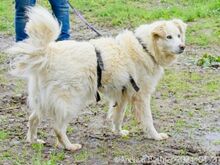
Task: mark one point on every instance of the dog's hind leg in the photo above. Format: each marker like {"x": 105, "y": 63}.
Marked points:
{"x": 63, "y": 113}
{"x": 60, "y": 131}
{"x": 35, "y": 117}
{"x": 117, "y": 116}
{"x": 33, "y": 123}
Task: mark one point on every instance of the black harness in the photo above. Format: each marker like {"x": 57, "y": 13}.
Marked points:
{"x": 145, "y": 49}
{"x": 133, "y": 83}
{"x": 100, "y": 68}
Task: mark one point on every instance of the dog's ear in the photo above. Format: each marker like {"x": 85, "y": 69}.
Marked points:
{"x": 159, "y": 32}
{"x": 180, "y": 25}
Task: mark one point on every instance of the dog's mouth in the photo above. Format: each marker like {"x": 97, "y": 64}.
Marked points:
{"x": 180, "y": 51}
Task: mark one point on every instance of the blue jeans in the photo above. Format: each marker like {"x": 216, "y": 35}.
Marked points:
{"x": 60, "y": 10}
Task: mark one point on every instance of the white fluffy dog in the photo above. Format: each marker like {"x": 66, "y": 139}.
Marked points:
{"x": 64, "y": 76}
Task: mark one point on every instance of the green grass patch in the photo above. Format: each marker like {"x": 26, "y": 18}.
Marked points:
{"x": 216, "y": 142}
{"x": 81, "y": 156}
{"x": 3, "y": 58}
{"x": 212, "y": 86}
{"x": 132, "y": 13}
{"x": 37, "y": 147}
{"x": 182, "y": 83}
{"x": 3, "y": 79}
{"x": 37, "y": 158}
{"x": 55, "y": 158}
{"x": 70, "y": 130}
{"x": 204, "y": 32}
{"x": 208, "y": 60}
{"x": 183, "y": 151}
{"x": 52, "y": 159}
{"x": 6, "y": 16}
{"x": 20, "y": 86}
{"x": 3, "y": 135}
{"x": 180, "y": 124}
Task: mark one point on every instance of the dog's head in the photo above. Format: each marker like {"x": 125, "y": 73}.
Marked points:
{"x": 169, "y": 36}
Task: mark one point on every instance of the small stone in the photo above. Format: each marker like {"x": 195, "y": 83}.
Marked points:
{"x": 14, "y": 142}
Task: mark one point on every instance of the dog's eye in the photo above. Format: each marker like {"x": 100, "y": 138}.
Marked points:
{"x": 169, "y": 37}
{"x": 178, "y": 35}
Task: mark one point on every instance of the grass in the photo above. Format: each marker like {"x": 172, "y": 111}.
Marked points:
{"x": 216, "y": 142}
{"x": 52, "y": 159}
{"x": 3, "y": 59}
{"x": 124, "y": 12}
{"x": 130, "y": 13}
{"x": 208, "y": 60}
{"x": 81, "y": 156}
{"x": 36, "y": 158}
{"x": 3, "y": 135}
{"x": 204, "y": 32}
{"x": 70, "y": 130}
{"x": 6, "y": 16}
{"x": 20, "y": 86}
{"x": 180, "y": 83}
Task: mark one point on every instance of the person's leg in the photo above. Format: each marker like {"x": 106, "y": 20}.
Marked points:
{"x": 61, "y": 11}
{"x": 20, "y": 18}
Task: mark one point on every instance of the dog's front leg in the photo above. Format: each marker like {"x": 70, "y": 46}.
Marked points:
{"x": 117, "y": 115}
{"x": 143, "y": 110}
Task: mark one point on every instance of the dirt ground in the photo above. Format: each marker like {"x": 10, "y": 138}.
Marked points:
{"x": 191, "y": 120}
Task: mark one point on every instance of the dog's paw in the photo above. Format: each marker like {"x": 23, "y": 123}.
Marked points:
{"x": 28, "y": 140}
{"x": 157, "y": 136}
{"x": 40, "y": 141}
{"x": 124, "y": 132}
{"x": 74, "y": 147}
{"x": 121, "y": 132}
{"x": 161, "y": 136}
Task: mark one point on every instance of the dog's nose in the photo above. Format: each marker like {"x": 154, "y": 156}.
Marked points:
{"x": 182, "y": 47}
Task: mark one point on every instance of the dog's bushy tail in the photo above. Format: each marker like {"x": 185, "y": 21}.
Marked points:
{"x": 42, "y": 29}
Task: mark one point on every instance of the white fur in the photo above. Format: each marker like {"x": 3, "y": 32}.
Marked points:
{"x": 62, "y": 76}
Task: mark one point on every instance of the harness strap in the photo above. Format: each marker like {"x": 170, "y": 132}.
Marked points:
{"x": 98, "y": 98}
{"x": 100, "y": 68}
{"x": 133, "y": 83}
{"x": 145, "y": 49}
